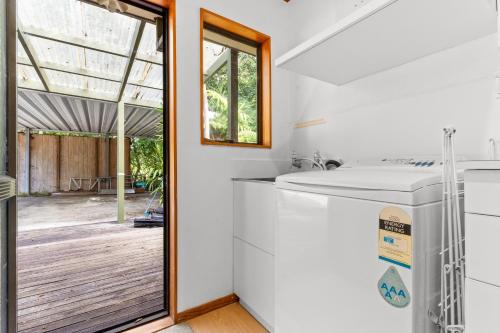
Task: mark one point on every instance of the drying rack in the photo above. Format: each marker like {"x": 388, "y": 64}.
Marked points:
{"x": 452, "y": 244}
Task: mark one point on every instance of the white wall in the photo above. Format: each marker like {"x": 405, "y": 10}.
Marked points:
{"x": 399, "y": 112}
{"x": 205, "y": 208}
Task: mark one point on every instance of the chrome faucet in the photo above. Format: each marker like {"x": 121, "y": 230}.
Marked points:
{"x": 319, "y": 159}
{"x": 316, "y": 161}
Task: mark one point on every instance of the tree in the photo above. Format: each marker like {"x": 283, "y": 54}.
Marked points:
{"x": 217, "y": 96}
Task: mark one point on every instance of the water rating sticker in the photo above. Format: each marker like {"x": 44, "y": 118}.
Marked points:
{"x": 394, "y": 237}
{"x": 392, "y": 288}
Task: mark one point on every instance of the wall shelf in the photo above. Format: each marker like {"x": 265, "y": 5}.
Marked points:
{"x": 387, "y": 33}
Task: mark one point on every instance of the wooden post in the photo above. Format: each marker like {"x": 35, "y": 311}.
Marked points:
{"x": 106, "y": 156}
{"x": 27, "y": 162}
{"x": 232, "y": 81}
{"x": 120, "y": 162}
{"x": 59, "y": 154}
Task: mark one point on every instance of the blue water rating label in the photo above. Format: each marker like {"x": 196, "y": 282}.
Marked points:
{"x": 392, "y": 288}
{"x": 394, "y": 237}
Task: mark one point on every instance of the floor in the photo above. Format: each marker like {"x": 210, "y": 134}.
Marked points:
{"x": 229, "y": 319}
{"x": 87, "y": 277}
{"x": 73, "y": 210}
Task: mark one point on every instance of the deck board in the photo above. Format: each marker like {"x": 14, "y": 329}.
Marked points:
{"x": 89, "y": 277}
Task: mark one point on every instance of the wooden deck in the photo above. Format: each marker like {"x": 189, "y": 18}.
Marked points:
{"x": 87, "y": 278}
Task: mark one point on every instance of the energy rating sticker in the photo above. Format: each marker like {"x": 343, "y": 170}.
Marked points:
{"x": 394, "y": 237}
{"x": 392, "y": 288}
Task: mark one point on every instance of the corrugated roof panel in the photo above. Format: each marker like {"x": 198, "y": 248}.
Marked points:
{"x": 144, "y": 94}
{"x": 79, "y": 19}
{"x": 94, "y": 28}
{"x": 146, "y": 73}
{"x": 27, "y": 74}
{"x": 147, "y": 47}
{"x": 21, "y": 54}
{"x": 73, "y": 81}
{"x": 74, "y": 56}
{"x": 104, "y": 62}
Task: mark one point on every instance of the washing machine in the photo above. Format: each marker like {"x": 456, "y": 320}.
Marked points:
{"x": 357, "y": 248}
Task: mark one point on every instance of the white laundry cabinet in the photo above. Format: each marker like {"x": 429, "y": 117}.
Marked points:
{"x": 482, "y": 246}
{"x": 254, "y": 223}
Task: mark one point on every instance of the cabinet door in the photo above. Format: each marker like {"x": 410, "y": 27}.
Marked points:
{"x": 482, "y": 248}
{"x": 482, "y": 190}
{"x": 482, "y": 304}
{"x": 254, "y": 280}
{"x": 255, "y": 214}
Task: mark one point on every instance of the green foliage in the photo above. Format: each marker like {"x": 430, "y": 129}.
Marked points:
{"x": 146, "y": 161}
{"x": 217, "y": 96}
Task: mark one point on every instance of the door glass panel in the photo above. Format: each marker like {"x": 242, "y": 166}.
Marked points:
{"x": 91, "y": 232}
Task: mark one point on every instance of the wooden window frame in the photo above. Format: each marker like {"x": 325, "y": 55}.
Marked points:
{"x": 264, "y": 78}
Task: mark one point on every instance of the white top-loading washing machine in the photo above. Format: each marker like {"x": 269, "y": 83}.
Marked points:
{"x": 358, "y": 248}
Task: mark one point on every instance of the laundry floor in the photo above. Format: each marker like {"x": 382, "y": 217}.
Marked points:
{"x": 229, "y": 319}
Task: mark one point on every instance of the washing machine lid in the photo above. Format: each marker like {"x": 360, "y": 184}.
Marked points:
{"x": 405, "y": 185}
{"x": 376, "y": 178}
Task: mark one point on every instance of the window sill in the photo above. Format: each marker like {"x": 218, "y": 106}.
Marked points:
{"x": 235, "y": 144}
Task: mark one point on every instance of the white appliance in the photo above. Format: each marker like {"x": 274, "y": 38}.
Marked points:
{"x": 358, "y": 248}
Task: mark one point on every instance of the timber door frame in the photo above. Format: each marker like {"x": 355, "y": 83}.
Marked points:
{"x": 11, "y": 45}
{"x": 156, "y": 323}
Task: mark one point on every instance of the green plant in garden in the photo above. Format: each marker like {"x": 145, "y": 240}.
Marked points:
{"x": 217, "y": 96}
{"x": 146, "y": 162}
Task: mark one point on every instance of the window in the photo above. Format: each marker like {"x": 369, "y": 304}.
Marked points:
{"x": 236, "y": 84}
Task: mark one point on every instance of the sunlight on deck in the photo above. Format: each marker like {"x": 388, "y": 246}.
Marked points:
{"x": 89, "y": 277}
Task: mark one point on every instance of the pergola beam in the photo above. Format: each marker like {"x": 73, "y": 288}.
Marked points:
{"x": 139, "y": 30}
{"x": 99, "y": 135}
{"x": 80, "y": 71}
{"x": 82, "y": 93}
{"x": 143, "y": 85}
{"x": 30, "y": 51}
{"x": 79, "y": 42}
{"x": 86, "y": 73}
{"x": 221, "y": 61}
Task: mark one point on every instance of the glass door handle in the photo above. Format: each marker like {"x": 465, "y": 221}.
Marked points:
{"x": 7, "y": 187}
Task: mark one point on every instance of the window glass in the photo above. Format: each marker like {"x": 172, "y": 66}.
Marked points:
{"x": 230, "y": 73}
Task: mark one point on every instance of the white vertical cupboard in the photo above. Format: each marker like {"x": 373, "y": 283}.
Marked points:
{"x": 482, "y": 248}
{"x": 254, "y": 224}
